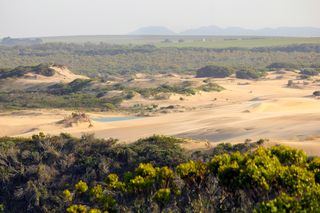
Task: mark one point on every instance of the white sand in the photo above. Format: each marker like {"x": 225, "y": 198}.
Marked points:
{"x": 261, "y": 109}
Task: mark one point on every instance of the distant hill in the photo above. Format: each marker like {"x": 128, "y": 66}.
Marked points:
{"x": 214, "y": 30}
{"x": 20, "y": 41}
{"x": 153, "y": 30}
{"x": 232, "y": 31}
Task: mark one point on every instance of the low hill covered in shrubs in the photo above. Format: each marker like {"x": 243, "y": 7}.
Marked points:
{"x": 67, "y": 174}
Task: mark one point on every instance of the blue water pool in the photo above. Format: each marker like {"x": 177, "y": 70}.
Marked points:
{"x": 113, "y": 119}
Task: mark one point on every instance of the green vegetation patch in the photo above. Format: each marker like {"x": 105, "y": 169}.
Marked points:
{"x": 282, "y": 65}
{"x": 67, "y": 174}
{"x": 310, "y": 71}
{"x": 214, "y": 71}
{"x": 101, "y": 60}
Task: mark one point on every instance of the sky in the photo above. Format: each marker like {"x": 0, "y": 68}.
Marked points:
{"x": 34, "y": 18}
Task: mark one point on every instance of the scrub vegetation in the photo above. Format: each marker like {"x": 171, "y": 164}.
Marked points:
{"x": 67, "y": 174}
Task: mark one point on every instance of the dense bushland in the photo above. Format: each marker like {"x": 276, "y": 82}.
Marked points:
{"x": 34, "y": 172}
{"x": 105, "y": 59}
{"x": 63, "y": 173}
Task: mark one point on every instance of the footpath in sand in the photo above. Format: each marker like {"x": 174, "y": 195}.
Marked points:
{"x": 245, "y": 110}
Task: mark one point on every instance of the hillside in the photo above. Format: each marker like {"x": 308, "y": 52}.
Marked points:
{"x": 153, "y": 30}
{"x": 238, "y": 31}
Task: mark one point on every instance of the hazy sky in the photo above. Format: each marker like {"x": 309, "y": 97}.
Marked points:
{"x": 27, "y": 18}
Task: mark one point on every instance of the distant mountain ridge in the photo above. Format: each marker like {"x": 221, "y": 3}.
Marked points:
{"x": 20, "y": 41}
{"x": 232, "y": 31}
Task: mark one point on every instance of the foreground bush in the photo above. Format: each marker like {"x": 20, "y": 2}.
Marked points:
{"x": 34, "y": 172}
{"x": 277, "y": 179}
{"x": 67, "y": 174}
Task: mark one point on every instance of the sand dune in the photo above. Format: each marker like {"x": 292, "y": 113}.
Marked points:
{"x": 32, "y": 80}
{"x": 260, "y": 109}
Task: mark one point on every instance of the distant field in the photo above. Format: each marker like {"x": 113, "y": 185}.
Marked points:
{"x": 240, "y": 42}
{"x": 188, "y": 41}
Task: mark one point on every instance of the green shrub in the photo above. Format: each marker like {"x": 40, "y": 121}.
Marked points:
{"x": 63, "y": 173}
{"x": 309, "y": 72}
{"x": 289, "y": 156}
{"x": 316, "y": 93}
{"x": 248, "y": 74}
{"x": 209, "y": 87}
{"x": 214, "y": 72}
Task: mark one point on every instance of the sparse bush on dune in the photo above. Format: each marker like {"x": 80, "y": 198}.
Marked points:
{"x": 162, "y": 96}
{"x": 163, "y": 91}
{"x": 76, "y": 118}
{"x": 209, "y": 87}
{"x": 304, "y": 77}
{"x": 282, "y": 65}
{"x": 75, "y": 86}
{"x": 316, "y": 93}
{"x": 309, "y": 72}
{"x": 67, "y": 174}
{"x": 248, "y": 74}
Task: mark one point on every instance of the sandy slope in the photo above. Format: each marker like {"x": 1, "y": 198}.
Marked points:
{"x": 246, "y": 109}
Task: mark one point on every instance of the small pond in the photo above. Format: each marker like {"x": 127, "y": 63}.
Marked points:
{"x": 113, "y": 119}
